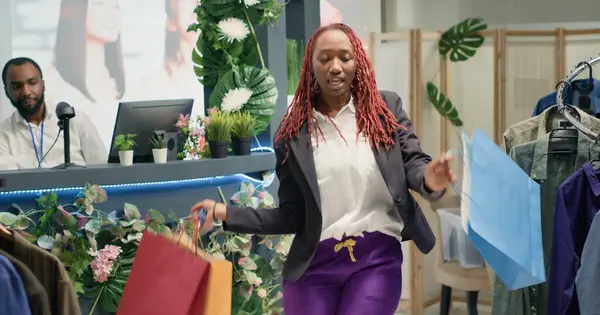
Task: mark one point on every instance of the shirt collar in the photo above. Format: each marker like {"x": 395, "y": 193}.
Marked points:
{"x": 349, "y": 108}
{"x": 47, "y": 115}
{"x": 542, "y": 129}
{"x": 592, "y": 178}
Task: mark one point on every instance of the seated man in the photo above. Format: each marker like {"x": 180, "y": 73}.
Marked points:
{"x": 27, "y": 136}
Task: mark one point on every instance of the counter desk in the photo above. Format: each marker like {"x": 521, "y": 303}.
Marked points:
{"x": 172, "y": 186}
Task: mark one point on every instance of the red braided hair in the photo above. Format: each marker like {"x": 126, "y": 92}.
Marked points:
{"x": 373, "y": 117}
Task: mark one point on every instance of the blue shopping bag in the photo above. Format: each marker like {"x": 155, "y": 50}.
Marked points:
{"x": 501, "y": 209}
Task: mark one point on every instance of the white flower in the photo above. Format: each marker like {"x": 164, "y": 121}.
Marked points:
{"x": 250, "y": 3}
{"x": 235, "y": 99}
{"x": 233, "y": 29}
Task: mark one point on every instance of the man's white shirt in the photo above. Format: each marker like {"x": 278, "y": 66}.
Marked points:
{"x": 19, "y": 141}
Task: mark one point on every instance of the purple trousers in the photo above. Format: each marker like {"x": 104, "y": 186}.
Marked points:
{"x": 357, "y": 276}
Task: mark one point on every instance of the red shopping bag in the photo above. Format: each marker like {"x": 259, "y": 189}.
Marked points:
{"x": 164, "y": 279}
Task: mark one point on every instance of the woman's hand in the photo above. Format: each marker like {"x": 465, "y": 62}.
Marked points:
{"x": 438, "y": 174}
{"x": 214, "y": 211}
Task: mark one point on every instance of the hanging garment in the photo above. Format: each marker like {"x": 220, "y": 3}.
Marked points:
{"x": 13, "y": 299}
{"x": 535, "y": 127}
{"x": 36, "y": 294}
{"x": 587, "y": 280}
{"x": 576, "y": 206}
{"x": 549, "y": 170}
{"x": 572, "y": 97}
{"x": 49, "y": 271}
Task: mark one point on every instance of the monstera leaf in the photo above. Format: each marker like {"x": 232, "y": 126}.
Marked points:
{"x": 443, "y": 105}
{"x": 228, "y": 8}
{"x": 462, "y": 40}
{"x": 264, "y": 92}
{"x": 209, "y": 63}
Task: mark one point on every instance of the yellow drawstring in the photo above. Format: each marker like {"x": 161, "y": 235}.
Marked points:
{"x": 349, "y": 244}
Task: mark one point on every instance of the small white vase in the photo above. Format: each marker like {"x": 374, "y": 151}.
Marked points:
{"x": 160, "y": 155}
{"x": 126, "y": 157}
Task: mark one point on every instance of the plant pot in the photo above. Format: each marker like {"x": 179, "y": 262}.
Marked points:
{"x": 241, "y": 146}
{"x": 160, "y": 155}
{"x": 126, "y": 157}
{"x": 218, "y": 148}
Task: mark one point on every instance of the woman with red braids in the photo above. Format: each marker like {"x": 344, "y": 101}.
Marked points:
{"x": 346, "y": 159}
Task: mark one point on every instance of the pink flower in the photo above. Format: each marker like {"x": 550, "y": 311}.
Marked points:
{"x": 102, "y": 264}
{"x": 262, "y": 194}
{"x": 262, "y": 293}
{"x": 242, "y": 260}
{"x": 183, "y": 121}
{"x": 201, "y": 142}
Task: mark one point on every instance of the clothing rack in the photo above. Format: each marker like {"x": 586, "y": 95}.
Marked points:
{"x": 564, "y": 109}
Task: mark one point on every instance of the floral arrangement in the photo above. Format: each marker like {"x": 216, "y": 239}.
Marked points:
{"x": 98, "y": 248}
{"x": 74, "y": 232}
{"x": 193, "y": 132}
{"x": 227, "y": 52}
{"x": 256, "y": 271}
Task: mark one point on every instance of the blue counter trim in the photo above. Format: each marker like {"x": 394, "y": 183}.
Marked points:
{"x": 18, "y": 195}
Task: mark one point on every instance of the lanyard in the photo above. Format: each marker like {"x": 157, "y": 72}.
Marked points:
{"x": 38, "y": 155}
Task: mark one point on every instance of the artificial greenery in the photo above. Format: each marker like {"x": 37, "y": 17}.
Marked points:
{"x": 242, "y": 125}
{"x": 75, "y": 232}
{"x": 461, "y": 41}
{"x": 218, "y": 126}
{"x": 295, "y": 54}
{"x": 256, "y": 278}
{"x": 458, "y": 44}
{"x": 264, "y": 93}
{"x": 125, "y": 142}
{"x": 227, "y": 53}
{"x": 158, "y": 141}
{"x": 443, "y": 105}
{"x": 78, "y": 232}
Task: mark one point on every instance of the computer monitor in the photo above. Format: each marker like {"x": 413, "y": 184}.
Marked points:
{"x": 144, "y": 119}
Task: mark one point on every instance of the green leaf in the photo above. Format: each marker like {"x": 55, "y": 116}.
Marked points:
{"x": 93, "y": 226}
{"x": 139, "y": 226}
{"x": 462, "y": 40}
{"x": 154, "y": 216}
{"x": 7, "y": 218}
{"x": 443, "y": 105}
{"x": 264, "y": 92}
{"x": 131, "y": 212}
{"x": 95, "y": 193}
{"x": 209, "y": 63}
{"x": 45, "y": 242}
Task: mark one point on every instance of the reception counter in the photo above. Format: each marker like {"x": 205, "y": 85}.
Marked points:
{"x": 172, "y": 186}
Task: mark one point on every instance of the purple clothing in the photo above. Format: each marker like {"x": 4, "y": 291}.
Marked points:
{"x": 334, "y": 284}
{"x": 576, "y": 205}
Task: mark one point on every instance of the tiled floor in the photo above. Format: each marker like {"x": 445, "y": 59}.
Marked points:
{"x": 457, "y": 310}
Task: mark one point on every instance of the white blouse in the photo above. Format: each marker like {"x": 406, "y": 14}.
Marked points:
{"x": 354, "y": 196}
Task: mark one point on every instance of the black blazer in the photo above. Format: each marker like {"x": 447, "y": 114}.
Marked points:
{"x": 299, "y": 211}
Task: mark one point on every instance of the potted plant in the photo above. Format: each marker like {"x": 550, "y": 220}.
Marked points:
{"x": 159, "y": 148}
{"x": 218, "y": 126}
{"x": 242, "y": 131}
{"x": 124, "y": 144}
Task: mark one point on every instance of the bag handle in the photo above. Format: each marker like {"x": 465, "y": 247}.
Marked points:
{"x": 195, "y": 235}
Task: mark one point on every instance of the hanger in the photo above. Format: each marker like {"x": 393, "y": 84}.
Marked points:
{"x": 563, "y": 140}
{"x": 585, "y": 91}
